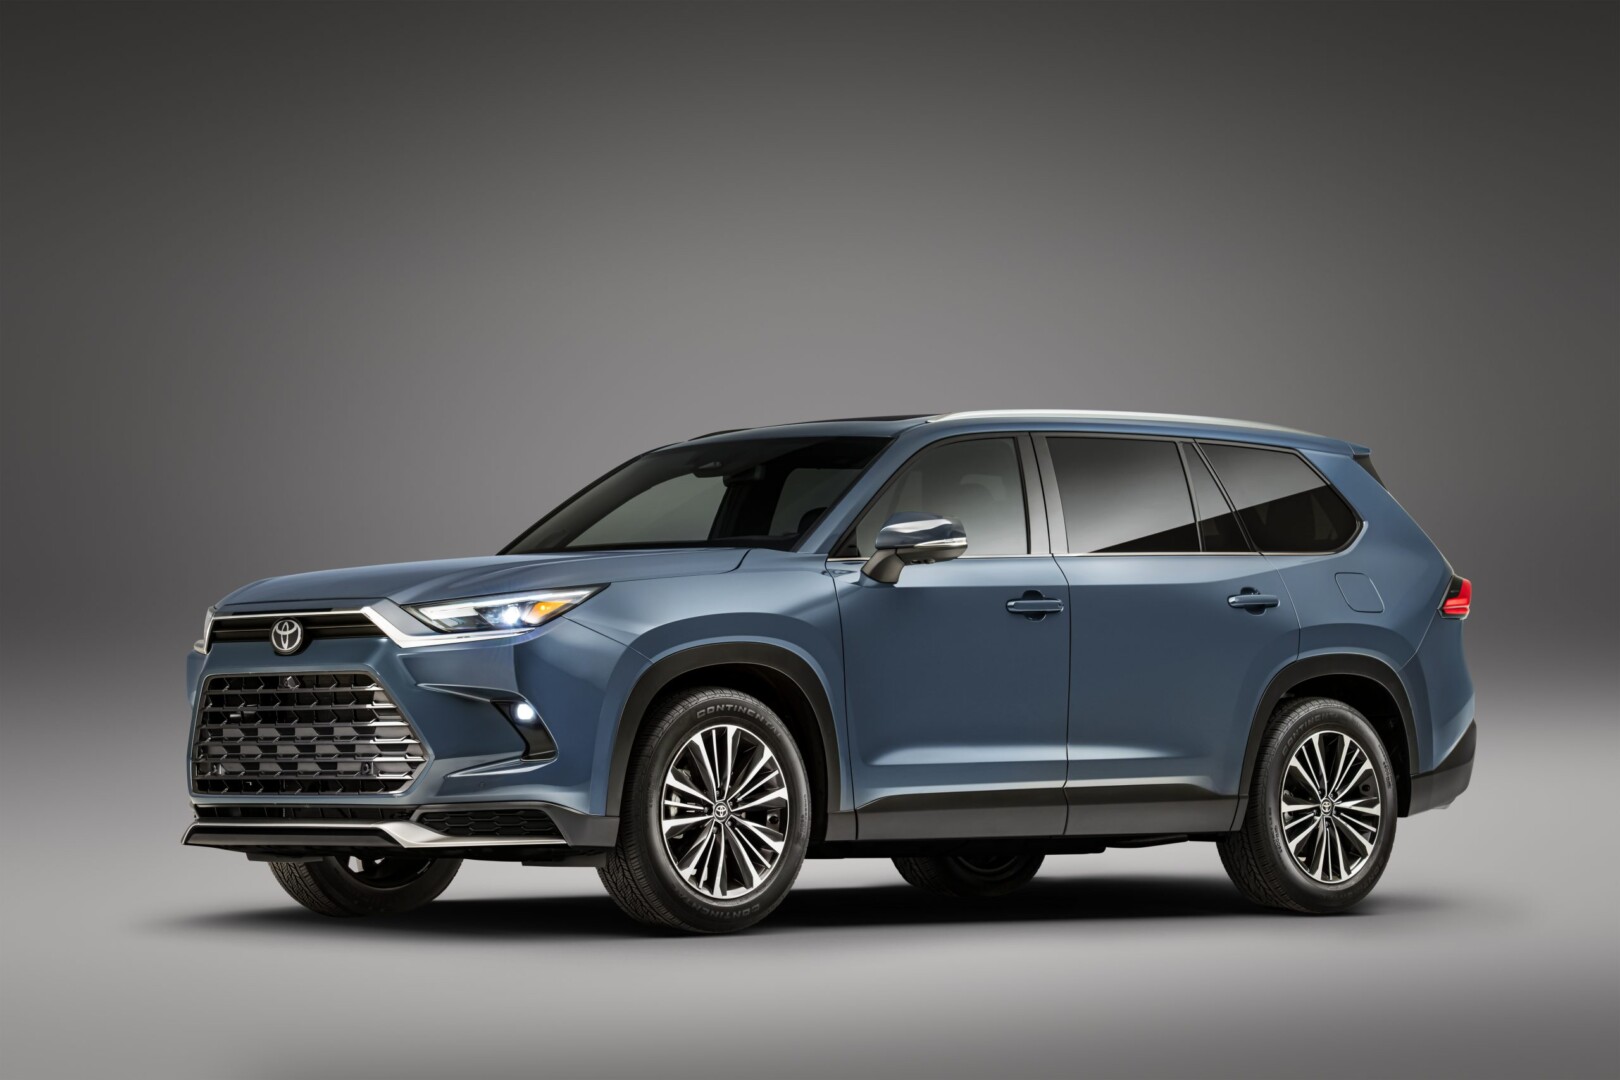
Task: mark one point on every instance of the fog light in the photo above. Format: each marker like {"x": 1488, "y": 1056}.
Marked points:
{"x": 525, "y": 719}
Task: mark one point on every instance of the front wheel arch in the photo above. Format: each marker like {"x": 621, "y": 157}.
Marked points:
{"x": 777, "y": 676}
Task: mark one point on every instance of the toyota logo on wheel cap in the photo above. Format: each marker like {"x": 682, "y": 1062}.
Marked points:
{"x": 287, "y": 636}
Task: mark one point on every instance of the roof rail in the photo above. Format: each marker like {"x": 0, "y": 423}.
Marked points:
{"x": 1103, "y": 414}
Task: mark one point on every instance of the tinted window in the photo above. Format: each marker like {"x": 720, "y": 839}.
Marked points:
{"x": 742, "y": 493}
{"x": 806, "y": 495}
{"x": 1123, "y": 495}
{"x": 1284, "y": 504}
{"x": 681, "y": 509}
{"x": 977, "y": 482}
{"x": 1217, "y": 525}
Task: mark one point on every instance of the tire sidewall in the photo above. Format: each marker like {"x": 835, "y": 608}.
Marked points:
{"x": 703, "y": 911}
{"x": 970, "y": 881}
{"x": 1297, "y": 727}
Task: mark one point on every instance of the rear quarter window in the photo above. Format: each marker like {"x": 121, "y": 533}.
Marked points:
{"x": 1284, "y": 504}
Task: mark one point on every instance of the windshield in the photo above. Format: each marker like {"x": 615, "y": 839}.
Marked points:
{"x": 748, "y": 493}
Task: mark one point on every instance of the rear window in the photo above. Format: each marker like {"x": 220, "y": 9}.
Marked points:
{"x": 1283, "y": 503}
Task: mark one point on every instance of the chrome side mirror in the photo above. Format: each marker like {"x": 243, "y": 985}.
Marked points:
{"x": 913, "y": 538}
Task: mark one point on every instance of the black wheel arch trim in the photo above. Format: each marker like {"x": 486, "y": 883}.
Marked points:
{"x": 784, "y": 662}
{"x": 1315, "y": 667}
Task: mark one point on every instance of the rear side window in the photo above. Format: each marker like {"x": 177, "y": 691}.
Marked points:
{"x": 1217, "y": 525}
{"x": 1283, "y": 503}
{"x": 1123, "y": 496}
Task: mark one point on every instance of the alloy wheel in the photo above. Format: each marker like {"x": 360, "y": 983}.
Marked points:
{"x": 724, "y": 812}
{"x": 1332, "y": 807}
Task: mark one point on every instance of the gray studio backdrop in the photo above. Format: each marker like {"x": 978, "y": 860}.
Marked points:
{"x": 288, "y": 287}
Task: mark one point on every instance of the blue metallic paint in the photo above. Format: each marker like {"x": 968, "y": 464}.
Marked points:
{"x": 930, "y": 685}
{"x": 1164, "y": 672}
{"x": 949, "y": 691}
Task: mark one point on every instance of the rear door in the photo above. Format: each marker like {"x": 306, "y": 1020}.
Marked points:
{"x": 1176, "y": 627}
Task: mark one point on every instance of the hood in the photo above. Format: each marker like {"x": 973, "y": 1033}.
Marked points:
{"x": 490, "y": 575}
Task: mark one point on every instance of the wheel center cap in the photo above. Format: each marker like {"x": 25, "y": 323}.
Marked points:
{"x": 722, "y": 810}
{"x": 1327, "y": 807}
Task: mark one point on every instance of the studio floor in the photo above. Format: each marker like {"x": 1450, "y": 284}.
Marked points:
{"x": 1489, "y": 950}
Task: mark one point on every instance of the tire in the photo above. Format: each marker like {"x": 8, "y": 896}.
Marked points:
{"x": 970, "y": 877}
{"x": 1305, "y": 856}
{"x": 713, "y": 873}
{"x": 346, "y": 887}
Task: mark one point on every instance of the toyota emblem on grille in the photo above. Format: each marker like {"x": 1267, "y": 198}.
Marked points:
{"x": 287, "y": 636}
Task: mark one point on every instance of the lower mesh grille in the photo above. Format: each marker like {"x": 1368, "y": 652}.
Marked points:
{"x": 489, "y": 821}
{"x": 316, "y": 733}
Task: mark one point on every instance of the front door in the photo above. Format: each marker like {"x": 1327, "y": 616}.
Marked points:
{"x": 957, "y": 704}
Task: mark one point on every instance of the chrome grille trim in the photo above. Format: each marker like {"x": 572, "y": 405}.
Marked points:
{"x": 302, "y": 733}
{"x": 318, "y": 625}
{"x": 388, "y": 618}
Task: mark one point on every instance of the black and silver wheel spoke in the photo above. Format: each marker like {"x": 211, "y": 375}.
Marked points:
{"x": 724, "y": 811}
{"x": 1331, "y": 807}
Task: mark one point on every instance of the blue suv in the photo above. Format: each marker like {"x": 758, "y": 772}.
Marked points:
{"x": 961, "y": 642}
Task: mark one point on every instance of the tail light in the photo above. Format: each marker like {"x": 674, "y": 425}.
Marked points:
{"x": 1459, "y": 598}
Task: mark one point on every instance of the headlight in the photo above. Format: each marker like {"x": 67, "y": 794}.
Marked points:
{"x": 501, "y": 614}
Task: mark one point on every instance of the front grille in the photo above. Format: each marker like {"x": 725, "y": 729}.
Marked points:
{"x": 234, "y": 629}
{"x": 317, "y": 733}
{"x": 303, "y": 813}
{"x": 489, "y": 821}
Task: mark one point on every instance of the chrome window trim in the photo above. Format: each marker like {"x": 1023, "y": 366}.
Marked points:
{"x": 960, "y": 558}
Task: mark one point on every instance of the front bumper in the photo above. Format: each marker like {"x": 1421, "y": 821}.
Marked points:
{"x": 341, "y": 836}
{"x": 472, "y": 829}
{"x": 451, "y": 695}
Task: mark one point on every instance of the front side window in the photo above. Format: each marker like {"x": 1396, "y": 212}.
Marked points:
{"x": 1123, "y": 496}
{"x": 1284, "y": 504}
{"x": 742, "y": 493}
{"x": 976, "y": 481}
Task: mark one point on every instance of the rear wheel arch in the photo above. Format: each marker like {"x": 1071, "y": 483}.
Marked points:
{"x": 777, "y": 676}
{"x": 1366, "y": 684}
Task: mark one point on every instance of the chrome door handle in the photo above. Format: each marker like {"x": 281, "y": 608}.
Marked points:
{"x": 1033, "y": 605}
{"x": 1255, "y": 602}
